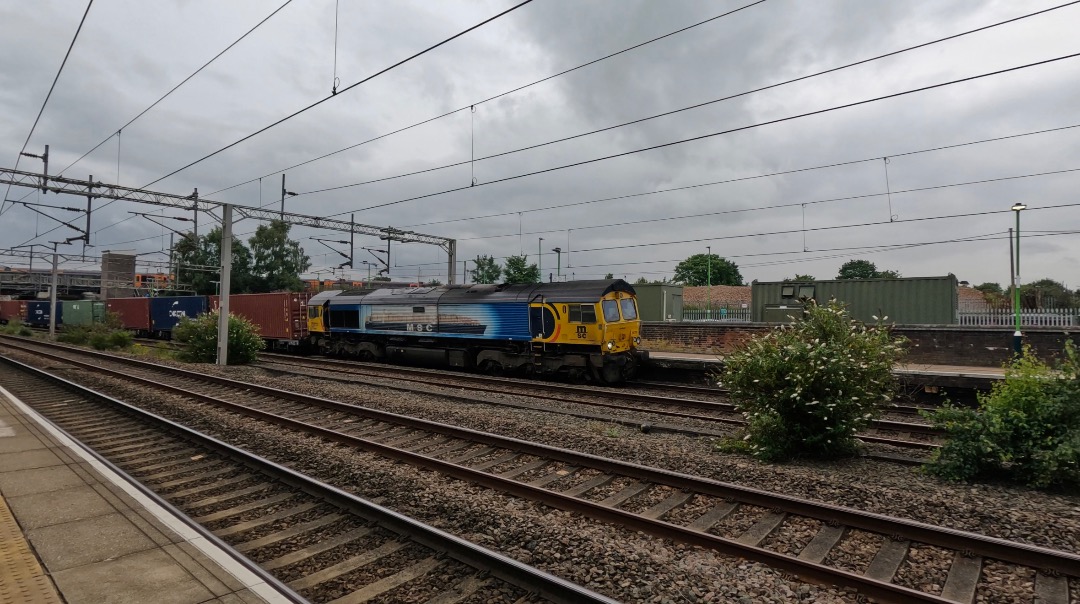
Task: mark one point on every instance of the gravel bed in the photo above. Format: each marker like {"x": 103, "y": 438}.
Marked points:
{"x": 736, "y": 523}
{"x": 794, "y": 534}
{"x": 448, "y": 576}
{"x": 277, "y": 525}
{"x": 696, "y": 507}
{"x": 369, "y": 573}
{"x": 1007, "y": 512}
{"x": 1005, "y": 584}
{"x": 647, "y": 499}
{"x": 331, "y": 557}
{"x": 925, "y": 568}
{"x": 221, "y": 490}
{"x": 855, "y": 551}
{"x": 285, "y": 546}
{"x": 255, "y": 513}
{"x": 236, "y": 501}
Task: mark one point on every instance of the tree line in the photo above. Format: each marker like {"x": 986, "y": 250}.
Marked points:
{"x": 270, "y": 261}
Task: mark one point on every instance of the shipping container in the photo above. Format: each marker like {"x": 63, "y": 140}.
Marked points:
{"x": 37, "y": 313}
{"x": 659, "y": 301}
{"x": 166, "y": 312}
{"x": 83, "y": 312}
{"x": 904, "y": 301}
{"x": 280, "y": 316}
{"x": 134, "y": 313}
{"x": 11, "y": 310}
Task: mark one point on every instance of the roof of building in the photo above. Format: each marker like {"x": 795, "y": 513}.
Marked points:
{"x": 720, "y": 295}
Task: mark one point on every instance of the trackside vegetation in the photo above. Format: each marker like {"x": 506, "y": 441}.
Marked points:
{"x": 198, "y": 338}
{"x": 806, "y": 388}
{"x": 15, "y": 327}
{"x": 1026, "y": 430}
{"x": 107, "y": 335}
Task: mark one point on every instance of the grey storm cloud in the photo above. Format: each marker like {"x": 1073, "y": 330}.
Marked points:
{"x": 130, "y": 53}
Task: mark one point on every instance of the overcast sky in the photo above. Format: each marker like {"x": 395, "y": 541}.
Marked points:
{"x": 129, "y": 53}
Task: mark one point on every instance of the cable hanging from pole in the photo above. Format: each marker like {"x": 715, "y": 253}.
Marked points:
{"x": 336, "y": 80}
{"x": 888, "y": 189}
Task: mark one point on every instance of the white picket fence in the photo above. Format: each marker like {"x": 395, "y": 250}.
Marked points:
{"x": 1046, "y": 317}
{"x": 726, "y": 315}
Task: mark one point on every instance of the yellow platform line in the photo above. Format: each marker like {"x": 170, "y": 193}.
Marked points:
{"x": 22, "y": 579}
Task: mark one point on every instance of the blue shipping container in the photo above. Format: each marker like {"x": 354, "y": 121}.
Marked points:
{"x": 37, "y": 313}
{"x": 166, "y": 312}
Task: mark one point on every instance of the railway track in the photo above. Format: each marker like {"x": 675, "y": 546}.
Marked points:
{"x": 728, "y": 518}
{"x": 312, "y": 541}
{"x": 696, "y": 410}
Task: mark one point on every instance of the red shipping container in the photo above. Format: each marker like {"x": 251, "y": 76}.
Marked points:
{"x": 278, "y": 315}
{"x": 12, "y": 309}
{"x": 134, "y": 312}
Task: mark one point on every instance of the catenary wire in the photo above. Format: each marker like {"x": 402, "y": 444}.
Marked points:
{"x": 497, "y": 96}
{"x": 47, "y": 96}
{"x": 690, "y": 107}
{"x": 720, "y": 133}
{"x": 175, "y": 88}
{"x": 343, "y": 90}
{"x": 743, "y": 178}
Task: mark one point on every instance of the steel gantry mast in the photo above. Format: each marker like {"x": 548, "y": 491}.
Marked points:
{"x": 192, "y": 203}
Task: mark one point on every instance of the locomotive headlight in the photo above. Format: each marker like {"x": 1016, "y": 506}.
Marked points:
{"x": 610, "y": 344}
{"x": 637, "y": 340}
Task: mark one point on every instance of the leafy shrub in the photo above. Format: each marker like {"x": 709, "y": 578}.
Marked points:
{"x": 107, "y": 335}
{"x": 807, "y": 388}
{"x": 199, "y": 339}
{"x": 15, "y": 327}
{"x": 1026, "y": 430}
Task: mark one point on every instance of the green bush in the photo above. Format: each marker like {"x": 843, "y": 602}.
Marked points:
{"x": 199, "y": 339}
{"x": 107, "y": 335}
{"x": 15, "y": 327}
{"x": 1026, "y": 430}
{"x": 807, "y": 388}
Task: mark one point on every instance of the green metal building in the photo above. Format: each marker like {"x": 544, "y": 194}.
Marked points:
{"x": 904, "y": 301}
{"x": 659, "y": 302}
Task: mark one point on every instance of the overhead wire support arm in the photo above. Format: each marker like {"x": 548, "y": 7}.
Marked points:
{"x": 30, "y": 206}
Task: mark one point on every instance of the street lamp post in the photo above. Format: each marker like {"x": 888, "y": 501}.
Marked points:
{"x": 540, "y": 258}
{"x": 1018, "y": 337}
{"x": 558, "y": 260}
{"x": 708, "y": 281}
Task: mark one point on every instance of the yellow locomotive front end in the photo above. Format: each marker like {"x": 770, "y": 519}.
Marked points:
{"x": 605, "y": 333}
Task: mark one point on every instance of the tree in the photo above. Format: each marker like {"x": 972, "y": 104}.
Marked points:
{"x": 193, "y": 256}
{"x": 1046, "y": 293}
{"x": 486, "y": 270}
{"x": 857, "y": 269}
{"x": 799, "y": 277}
{"x": 609, "y": 276}
{"x": 697, "y": 269}
{"x": 990, "y": 288}
{"x": 434, "y": 283}
{"x": 517, "y": 271}
{"x": 278, "y": 260}
{"x": 889, "y": 275}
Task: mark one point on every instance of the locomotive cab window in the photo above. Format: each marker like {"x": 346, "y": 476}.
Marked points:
{"x": 313, "y": 312}
{"x": 581, "y": 313}
{"x": 629, "y": 311}
{"x": 611, "y": 310}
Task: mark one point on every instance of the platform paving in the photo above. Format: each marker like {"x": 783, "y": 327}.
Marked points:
{"x": 77, "y": 531}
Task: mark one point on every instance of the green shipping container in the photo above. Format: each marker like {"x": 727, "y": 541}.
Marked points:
{"x": 905, "y": 301}
{"x": 659, "y": 302}
{"x": 83, "y": 312}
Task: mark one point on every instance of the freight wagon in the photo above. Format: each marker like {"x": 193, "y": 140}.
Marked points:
{"x": 281, "y": 317}
{"x": 166, "y": 312}
{"x": 134, "y": 313}
{"x": 81, "y": 312}
{"x": 37, "y": 313}
{"x": 11, "y": 310}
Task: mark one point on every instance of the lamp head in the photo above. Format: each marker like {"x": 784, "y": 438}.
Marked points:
{"x": 1018, "y": 206}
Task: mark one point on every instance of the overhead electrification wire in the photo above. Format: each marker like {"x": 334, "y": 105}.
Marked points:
{"x": 720, "y": 133}
{"x": 697, "y": 105}
{"x": 786, "y": 205}
{"x": 175, "y": 88}
{"x": 47, "y": 96}
{"x": 500, "y": 95}
{"x": 740, "y": 179}
{"x": 343, "y": 90}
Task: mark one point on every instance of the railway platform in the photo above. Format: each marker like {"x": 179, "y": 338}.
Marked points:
{"x": 72, "y": 530}
{"x": 927, "y": 377}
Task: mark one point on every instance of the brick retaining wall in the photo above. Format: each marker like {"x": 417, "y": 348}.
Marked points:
{"x": 933, "y": 345}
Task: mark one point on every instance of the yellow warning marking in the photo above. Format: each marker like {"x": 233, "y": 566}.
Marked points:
{"x": 21, "y": 577}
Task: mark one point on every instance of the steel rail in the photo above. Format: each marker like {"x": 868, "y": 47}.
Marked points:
{"x": 956, "y": 540}
{"x": 507, "y": 569}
